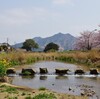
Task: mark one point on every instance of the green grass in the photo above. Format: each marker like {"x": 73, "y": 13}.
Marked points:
{"x": 45, "y": 96}
{"x": 42, "y": 88}
{"x": 8, "y": 89}
{"x": 28, "y": 97}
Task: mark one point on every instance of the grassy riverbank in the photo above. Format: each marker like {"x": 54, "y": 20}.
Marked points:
{"x": 89, "y": 58}
{"x": 8, "y": 91}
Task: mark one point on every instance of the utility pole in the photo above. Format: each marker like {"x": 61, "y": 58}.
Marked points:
{"x": 7, "y": 41}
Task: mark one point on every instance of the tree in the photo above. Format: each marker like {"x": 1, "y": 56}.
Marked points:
{"x": 88, "y": 40}
{"x": 51, "y": 46}
{"x": 29, "y": 44}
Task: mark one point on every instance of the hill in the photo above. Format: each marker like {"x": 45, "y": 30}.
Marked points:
{"x": 65, "y": 41}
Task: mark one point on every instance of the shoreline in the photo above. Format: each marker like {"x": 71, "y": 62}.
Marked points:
{"x": 34, "y": 92}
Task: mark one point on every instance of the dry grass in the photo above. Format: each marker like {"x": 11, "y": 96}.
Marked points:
{"x": 91, "y": 58}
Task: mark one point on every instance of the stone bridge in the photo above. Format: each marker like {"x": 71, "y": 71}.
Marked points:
{"x": 29, "y": 71}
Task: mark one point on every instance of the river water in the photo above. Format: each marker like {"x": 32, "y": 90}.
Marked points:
{"x": 72, "y": 84}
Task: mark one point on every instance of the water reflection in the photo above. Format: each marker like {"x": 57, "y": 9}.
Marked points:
{"x": 61, "y": 77}
{"x": 43, "y": 77}
{"x": 79, "y": 77}
{"x": 28, "y": 77}
{"x": 59, "y": 83}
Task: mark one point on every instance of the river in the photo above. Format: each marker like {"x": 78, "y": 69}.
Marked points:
{"x": 69, "y": 83}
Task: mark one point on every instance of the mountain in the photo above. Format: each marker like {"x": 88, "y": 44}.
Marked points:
{"x": 65, "y": 41}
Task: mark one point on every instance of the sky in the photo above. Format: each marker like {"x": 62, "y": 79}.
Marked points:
{"x": 24, "y": 19}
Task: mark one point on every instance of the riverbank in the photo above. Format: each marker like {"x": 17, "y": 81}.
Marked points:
{"x": 8, "y": 91}
{"x": 91, "y": 59}
{"x": 88, "y": 58}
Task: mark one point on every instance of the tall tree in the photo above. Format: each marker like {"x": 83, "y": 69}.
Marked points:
{"x": 51, "y": 46}
{"x": 87, "y": 40}
{"x": 29, "y": 44}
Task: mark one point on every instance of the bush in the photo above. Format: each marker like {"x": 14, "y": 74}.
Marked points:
{"x": 2, "y": 70}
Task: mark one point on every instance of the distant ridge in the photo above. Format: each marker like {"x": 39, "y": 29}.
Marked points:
{"x": 65, "y": 41}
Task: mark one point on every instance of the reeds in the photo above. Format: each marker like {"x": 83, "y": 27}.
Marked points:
{"x": 91, "y": 58}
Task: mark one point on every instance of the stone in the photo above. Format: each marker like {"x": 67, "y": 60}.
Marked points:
{"x": 61, "y": 71}
{"x": 43, "y": 70}
{"x": 69, "y": 89}
{"x": 94, "y": 71}
{"x": 28, "y": 72}
{"x": 4, "y": 79}
{"x": 10, "y": 71}
{"x": 79, "y": 71}
{"x": 82, "y": 93}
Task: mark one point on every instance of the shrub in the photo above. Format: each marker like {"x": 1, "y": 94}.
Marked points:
{"x": 2, "y": 70}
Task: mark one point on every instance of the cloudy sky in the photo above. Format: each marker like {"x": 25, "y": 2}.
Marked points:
{"x": 23, "y": 19}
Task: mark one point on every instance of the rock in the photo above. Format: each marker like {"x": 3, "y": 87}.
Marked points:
{"x": 61, "y": 71}
{"x": 53, "y": 84}
{"x": 10, "y": 71}
{"x": 94, "y": 71}
{"x": 82, "y": 93}
{"x": 43, "y": 70}
{"x": 70, "y": 89}
{"x": 89, "y": 94}
{"x": 4, "y": 79}
{"x": 79, "y": 71}
{"x": 28, "y": 72}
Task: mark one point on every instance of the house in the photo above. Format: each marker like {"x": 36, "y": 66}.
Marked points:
{"x": 5, "y": 47}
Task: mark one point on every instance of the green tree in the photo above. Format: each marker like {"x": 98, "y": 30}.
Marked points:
{"x": 51, "y": 47}
{"x": 29, "y": 44}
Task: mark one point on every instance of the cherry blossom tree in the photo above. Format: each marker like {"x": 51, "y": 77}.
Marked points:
{"x": 88, "y": 40}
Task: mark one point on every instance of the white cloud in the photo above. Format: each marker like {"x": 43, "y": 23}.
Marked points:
{"x": 22, "y": 16}
{"x": 14, "y": 17}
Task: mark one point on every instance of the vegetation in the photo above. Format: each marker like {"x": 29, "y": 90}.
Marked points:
{"x": 29, "y": 44}
{"x": 51, "y": 47}
{"x": 3, "y": 66}
{"x": 45, "y": 96}
{"x": 90, "y": 58}
{"x": 26, "y": 73}
{"x": 5, "y": 47}
{"x": 88, "y": 40}
{"x": 2, "y": 70}
{"x": 8, "y": 91}
{"x": 42, "y": 88}
{"x": 42, "y": 96}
